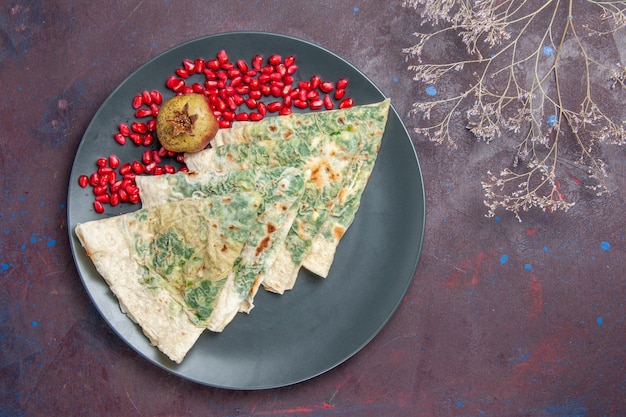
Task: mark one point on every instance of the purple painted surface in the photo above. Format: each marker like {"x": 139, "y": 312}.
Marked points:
{"x": 502, "y": 319}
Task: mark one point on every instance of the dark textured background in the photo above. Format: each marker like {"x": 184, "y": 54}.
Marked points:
{"x": 503, "y": 318}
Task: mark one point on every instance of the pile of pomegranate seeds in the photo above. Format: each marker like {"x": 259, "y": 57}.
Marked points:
{"x": 236, "y": 91}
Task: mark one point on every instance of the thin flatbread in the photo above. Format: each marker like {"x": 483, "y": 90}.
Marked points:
{"x": 344, "y": 149}
{"x": 282, "y": 188}
{"x": 168, "y": 264}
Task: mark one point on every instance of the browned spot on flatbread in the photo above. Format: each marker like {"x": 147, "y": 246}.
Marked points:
{"x": 321, "y": 171}
{"x": 224, "y": 248}
{"x": 338, "y": 232}
{"x": 265, "y": 242}
{"x": 273, "y": 128}
{"x": 342, "y": 195}
{"x": 287, "y": 134}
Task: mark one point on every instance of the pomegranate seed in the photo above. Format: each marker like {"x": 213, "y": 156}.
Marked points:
{"x": 255, "y": 117}
{"x": 171, "y": 81}
{"x": 274, "y": 106}
{"x": 136, "y": 138}
{"x": 285, "y": 111}
{"x": 301, "y": 104}
{"x": 257, "y": 62}
{"x": 98, "y": 207}
{"x": 83, "y": 181}
{"x": 157, "y": 171}
{"x": 274, "y": 59}
{"x": 126, "y": 168}
{"x": 162, "y": 152}
{"x": 346, "y": 103}
{"x": 242, "y": 65}
{"x": 169, "y": 169}
{"x": 261, "y": 108}
{"x": 115, "y": 199}
{"x": 183, "y": 169}
{"x": 304, "y": 85}
{"x": 197, "y": 88}
{"x": 179, "y": 85}
{"x": 228, "y": 115}
{"x": 212, "y": 65}
{"x": 102, "y": 162}
{"x": 289, "y": 61}
{"x": 236, "y": 81}
{"x": 199, "y": 64}
{"x": 313, "y": 95}
{"x": 276, "y": 91}
{"x": 94, "y": 179}
{"x": 139, "y": 127}
{"x": 137, "y": 101}
{"x": 99, "y": 189}
{"x": 316, "y": 104}
{"x": 103, "y": 198}
{"x": 288, "y": 79}
{"x": 151, "y": 125}
{"x": 180, "y": 158}
{"x": 287, "y": 101}
{"x": 133, "y": 198}
{"x": 342, "y": 83}
{"x": 148, "y": 140}
{"x": 222, "y": 57}
{"x": 154, "y": 110}
{"x": 156, "y": 156}
{"x": 241, "y": 117}
{"x": 182, "y": 73}
{"x": 150, "y": 167}
{"x": 291, "y": 69}
{"x": 256, "y": 95}
{"x": 116, "y": 186}
{"x": 339, "y": 93}
{"x": 146, "y": 156}
{"x": 315, "y": 82}
{"x": 157, "y": 98}
{"x": 146, "y": 97}
{"x": 189, "y": 65}
{"x": 327, "y": 86}
{"x": 124, "y": 129}
{"x": 123, "y": 195}
{"x": 328, "y": 102}
{"x": 143, "y": 112}
{"x": 137, "y": 167}
{"x": 114, "y": 161}
{"x": 186, "y": 90}
{"x": 224, "y": 124}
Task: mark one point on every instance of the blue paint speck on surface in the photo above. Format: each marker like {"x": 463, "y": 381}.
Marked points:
{"x": 4, "y": 267}
{"x": 395, "y": 79}
{"x": 497, "y": 218}
{"x": 33, "y": 239}
{"x": 355, "y": 10}
{"x": 548, "y": 50}
{"x": 431, "y": 90}
{"x": 605, "y": 245}
{"x": 545, "y": 249}
{"x": 528, "y": 267}
{"x": 51, "y": 242}
{"x": 459, "y": 403}
{"x": 600, "y": 321}
{"x": 504, "y": 258}
{"x": 553, "y": 119}
{"x": 34, "y": 323}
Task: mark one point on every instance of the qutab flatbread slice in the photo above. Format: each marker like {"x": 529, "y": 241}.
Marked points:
{"x": 282, "y": 188}
{"x": 167, "y": 264}
{"x": 311, "y": 154}
{"x": 342, "y": 169}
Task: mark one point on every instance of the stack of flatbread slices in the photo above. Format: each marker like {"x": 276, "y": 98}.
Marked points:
{"x": 266, "y": 199}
